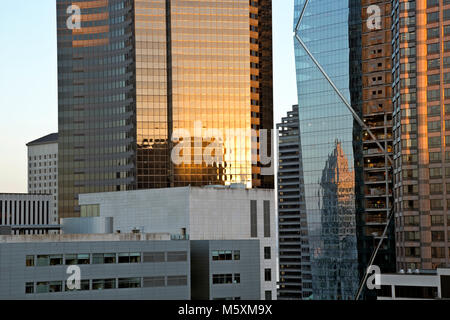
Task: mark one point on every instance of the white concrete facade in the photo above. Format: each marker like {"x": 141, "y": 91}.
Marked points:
{"x": 208, "y": 213}
{"x": 434, "y": 280}
{"x": 43, "y": 169}
{"x": 27, "y": 213}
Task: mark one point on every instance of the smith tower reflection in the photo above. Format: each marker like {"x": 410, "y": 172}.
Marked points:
{"x": 138, "y": 72}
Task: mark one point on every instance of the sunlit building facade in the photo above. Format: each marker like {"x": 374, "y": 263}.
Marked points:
{"x": 421, "y": 100}
{"x": 143, "y": 78}
{"x": 330, "y": 143}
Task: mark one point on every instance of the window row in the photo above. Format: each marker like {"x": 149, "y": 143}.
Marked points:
{"x": 105, "y": 284}
{"x": 103, "y": 258}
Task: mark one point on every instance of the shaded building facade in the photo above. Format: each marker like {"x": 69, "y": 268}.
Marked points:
{"x": 295, "y": 269}
{"x": 138, "y": 73}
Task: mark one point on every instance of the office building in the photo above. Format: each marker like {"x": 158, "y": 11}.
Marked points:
{"x": 28, "y": 213}
{"x": 43, "y": 168}
{"x": 128, "y": 267}
{"x": 114, "y": 266}
{"x": 226, "y": 270}
{"x": 420, "y": 285}
{"x": 331, "y": 145}
{"x": 138, "y": 73}
{"x": 377, "y": 108}
{"x": 295, "y": 271}
{"x": 194, "y": 213}
{"x": 421, "y": 136}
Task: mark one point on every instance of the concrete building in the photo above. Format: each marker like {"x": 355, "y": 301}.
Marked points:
{"x": 226, "y": 270}
{"x": 28, "y": 213}
{"x": 208, "y": 213}
{"x": 128, "y": 267}
{"x": 422, "y": 286}
{"x": 114, "y": 266}
{"x": 43, "y": 169}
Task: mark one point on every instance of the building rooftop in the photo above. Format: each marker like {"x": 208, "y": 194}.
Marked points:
{"x": 84, "y": 237}
{"x": 51, "y": 138}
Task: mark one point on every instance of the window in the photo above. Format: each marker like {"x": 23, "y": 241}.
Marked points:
{"x": 101, "y": 258}
{"x": 266, "y": 218}
{"x": 268, "y": 274}
{"x": 437, "y": 236}
{"x": 222, "y": 279}
{"x": 154, "y": 257}
{"x": 84, "y": 286}
{"x": 436, "y": 204}
{"x": 43, "y": 261}
{"x": 177, "y": 281}
{"x": 267, "y": 253}
{"x": 237, "y": 255}
{"x": 412, "y": 236}
{"x": 222, "y": 255}
{"x": 436, "y": 188}
{"x": 253, "y": 219}
{"x": 29, "y": 287}
{"x": 437, "y": 220}
{"x": 154, "y": 282}
{"x": 268, "y": 295}
{"x": 237, "y": 278}
{"x": 438, "y": 253}
{"x": 55, "y": 286}
{"x": 125, "y": 283}
{"x": 103, "y": 284}
{"x": 56, "y": 260}
{"x": 412, "y": 252}
{"x": 29, "y": 261}
{"x": 77, "y": 258}
{"x": 435, "y": 156}
{"x": 176, "y": 256}
{"x": 435, "y": 173}
{"x": 134, "y": 257}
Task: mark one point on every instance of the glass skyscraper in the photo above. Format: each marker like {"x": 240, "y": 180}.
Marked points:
{"x": 330, "y": 142}
{"x": 139, "y": 72}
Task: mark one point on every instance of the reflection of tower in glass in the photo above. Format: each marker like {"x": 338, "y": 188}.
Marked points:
{"x": 335, "y": 261}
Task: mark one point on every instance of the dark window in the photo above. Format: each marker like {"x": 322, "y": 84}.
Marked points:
{"x": 253, "y": 219}
{"x": 267, "y": 219}
{"x": 268, "y": 274}
{"x": 267, "y": 253}
{"x": 154, "y": 257}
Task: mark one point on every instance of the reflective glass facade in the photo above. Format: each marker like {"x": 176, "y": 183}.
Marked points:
{"x": 330, "y": 142}
{"x": 139, "y": 72}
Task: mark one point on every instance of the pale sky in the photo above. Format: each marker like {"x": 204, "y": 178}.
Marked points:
{"x": 28, "y": 79}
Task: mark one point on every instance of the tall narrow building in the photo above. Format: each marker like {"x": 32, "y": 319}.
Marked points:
{"x": 376, "y": 194}
{"x": 137, "y": 75}
{"x": 328, "y": 39}
{"x": 294, "y": 255}
{"x": 421, "y": 100}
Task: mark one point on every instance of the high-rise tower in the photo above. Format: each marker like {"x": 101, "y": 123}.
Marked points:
{"x": 136, "y": 73}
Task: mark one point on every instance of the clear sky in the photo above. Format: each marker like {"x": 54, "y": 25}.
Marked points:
{"x": 28, "y": 79}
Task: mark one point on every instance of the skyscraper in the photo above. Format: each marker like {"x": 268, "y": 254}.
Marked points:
{"x": 135, "y": 74}
{"x": 294, "y": 256}
{"x": 376, "y": 193}
{"x": 43, "y": 169}
{"x": 421, "y": 135}
{"x": 328, "y": 41}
